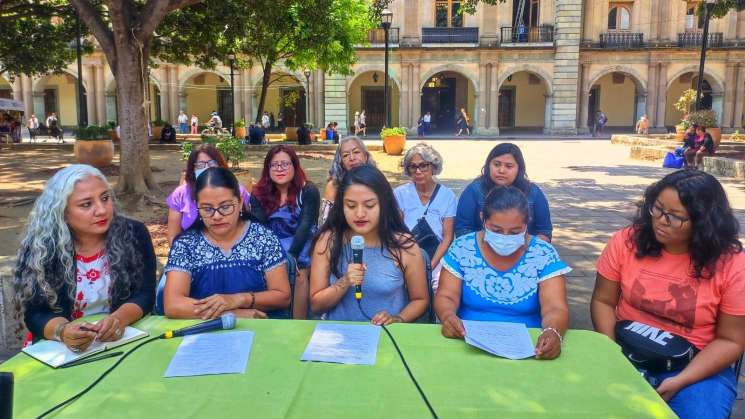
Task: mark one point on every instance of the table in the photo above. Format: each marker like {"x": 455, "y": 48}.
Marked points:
{"x": 590, "y": 379}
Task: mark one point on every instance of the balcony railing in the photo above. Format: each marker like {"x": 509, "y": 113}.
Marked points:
{"x": 524, "y": 34}
{"x": 450, "y": 35}
{"x": 621, "y": 40}
{"x": 377, "y": 36}
{"x": 694, "y": 39}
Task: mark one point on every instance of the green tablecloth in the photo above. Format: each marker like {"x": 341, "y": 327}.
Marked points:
{"x": 591, "y": 379}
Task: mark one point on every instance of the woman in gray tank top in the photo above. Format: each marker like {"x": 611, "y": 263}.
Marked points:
{"x": 392, "y": 276}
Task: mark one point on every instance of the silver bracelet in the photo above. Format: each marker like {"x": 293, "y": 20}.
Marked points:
{"x": 561, "y": 339}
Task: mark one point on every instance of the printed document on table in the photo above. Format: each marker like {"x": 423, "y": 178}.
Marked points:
{"x": 343, "y": 344}
{"x": 508, "y": 340}
{"x": 212, "y": 353}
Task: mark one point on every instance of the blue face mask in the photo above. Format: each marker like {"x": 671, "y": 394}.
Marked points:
{"x": 198, "y": 172}
{"x": 504, "y": 244}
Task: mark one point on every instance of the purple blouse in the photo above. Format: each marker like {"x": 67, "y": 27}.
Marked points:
{"x": 180, "y": 200}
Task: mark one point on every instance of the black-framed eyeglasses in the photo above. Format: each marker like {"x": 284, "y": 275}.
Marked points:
{"x": 280, "y": 165}
{"x": 421, "y": 167}
{"x": 671, "y": 219}
{"x": 205, "y": 164}
{"x": 224, "y": 210}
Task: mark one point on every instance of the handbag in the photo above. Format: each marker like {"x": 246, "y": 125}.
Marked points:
{"x": 652, "y": 349}
{"x": 423, "y": 234}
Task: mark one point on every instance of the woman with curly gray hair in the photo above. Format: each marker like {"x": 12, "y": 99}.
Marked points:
{"x": 350, "y": 154}
{"x": 428, "y": 207}
{"x": 81, "y": 257}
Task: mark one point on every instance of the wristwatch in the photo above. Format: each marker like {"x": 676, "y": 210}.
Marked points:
{"x": 58, "y": 331}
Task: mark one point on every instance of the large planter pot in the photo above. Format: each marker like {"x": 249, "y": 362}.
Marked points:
{"x": 716, "y": 135}
{"x": 680, "y": 132}
{"x": 97, "y": 153}
{"x": 291, "y": 133}
{"x": 114, "y": 137}
{"x": 156, "y": 132}
{"x": 240, "y": 132}
{"x": 394, "y": 144}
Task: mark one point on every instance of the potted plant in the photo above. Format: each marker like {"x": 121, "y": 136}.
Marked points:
{"x": 394, "y": 140}
{"x": 708, "y": 120}
{"x": 683, "y": 104}
{"x": 112, "y": 131}
{"x": 240, "y": 128}
{"x": 158, "y": 125}
{"x": 93, "y": 146}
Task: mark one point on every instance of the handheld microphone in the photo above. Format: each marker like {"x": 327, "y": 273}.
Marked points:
{"x": 6, "y": 395}
{"x": 358, "y": 246}
{"x": 224, "y": 322}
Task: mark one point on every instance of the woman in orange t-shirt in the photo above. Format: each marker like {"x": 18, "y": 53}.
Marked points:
{"x": 680, "y": 268}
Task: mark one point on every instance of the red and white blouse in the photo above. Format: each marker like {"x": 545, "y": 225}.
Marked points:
{"x": 93, "y": 285}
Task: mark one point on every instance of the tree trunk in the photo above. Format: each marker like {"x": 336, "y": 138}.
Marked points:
{"x": 264, "y": 87}
{"x": 135, "y": 176}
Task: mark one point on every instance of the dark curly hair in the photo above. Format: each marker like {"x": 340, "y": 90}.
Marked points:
{"x": 714, "y": 228}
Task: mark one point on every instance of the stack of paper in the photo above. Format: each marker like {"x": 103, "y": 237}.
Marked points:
{"x": 343, "y": 344}
{"x": 212, "y": 353}
{"x": 508, "y": 340}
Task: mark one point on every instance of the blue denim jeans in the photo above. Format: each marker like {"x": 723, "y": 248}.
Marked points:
{"x": 710, "y": 398}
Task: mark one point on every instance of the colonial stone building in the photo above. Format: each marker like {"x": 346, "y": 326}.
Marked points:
{"x": 525, "y": 65}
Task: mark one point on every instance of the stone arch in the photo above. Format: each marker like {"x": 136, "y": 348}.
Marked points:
{"x": 638, "y": 80}
{"x": 622, "y": 104}
{"x": 529, "y": 69}
{"x": 283, "y": 80}
{"x": 363, "y": 92}
{"x": 370, "y": 68}
{"x": 38, "y": 83}
{"x": 196, "y": 71}
{"x": 675, "y": 86}
{"x": 443, "y": 101}
{"x": 717, "y": 86}
{"x": 455, "y": 68}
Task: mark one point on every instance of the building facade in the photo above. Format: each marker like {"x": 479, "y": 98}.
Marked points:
{"x": 523, "y": 65}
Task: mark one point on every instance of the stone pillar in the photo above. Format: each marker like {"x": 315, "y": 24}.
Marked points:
{"x": 17, "y": 86}
{"x": 661, "y": 95}
{"x": 601, "y": 19}
{"x": 589, "y": 21}
{"x": 584, "y": 99}
{"x": 641, "y": 106}
{"x": 649, "y": 26}
{"x": 28, "y": 98}
{"x": 504, "y": 15}
{"x": 739, "y": 96}
{"x": 483, "y": 97}
{"x": 237, "y": 106}
{"x": 494, "y": 98}
{"x": 717, "y": 105}
{"x": 636, "y": 12}
{"x": 404, "y": 109}
{"x": 664, "y": 13}
{"x": 173, "y": 90}
{"x": 39, "y": 106}
{"x": 320, "y": 81}
{"x": 100, "y": 95}
{"x": 547, "y": 114}
{"x": 566, "y": 72}
{"x": 246, "y": 94}
{"x": 336, "y": 101}
{"x": 411, "y": 24}
{"x": 741, "y": 25}
{"x": 730, "y": 87}
{"x": 89, "y": 78}
{"x": 416, "y": 91}
{"x": 111, "y": 111}
{"x": 488, "y": 30}
{"x": 652, "y": 94}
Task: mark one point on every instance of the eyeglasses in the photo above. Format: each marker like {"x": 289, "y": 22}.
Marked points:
{"x": 205, "y": 164}
{"x": 421, "y": 167}
{"x": 224, "y": 210}
{"x": 280, "y": 165}
{"x": 671, "y": 219}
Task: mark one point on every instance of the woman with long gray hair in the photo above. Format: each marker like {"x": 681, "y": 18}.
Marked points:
{"x": 350, "y": 154}
{"x": 80, "y": 256}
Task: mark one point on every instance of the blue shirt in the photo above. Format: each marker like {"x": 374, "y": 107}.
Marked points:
{"x": 242, "y": 269}
{"x": 505, "y": 296}
{"x": 468, "y": 214}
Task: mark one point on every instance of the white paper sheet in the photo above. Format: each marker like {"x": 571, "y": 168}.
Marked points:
{"x": 508, "y": 340}
{"x": 343, "y": 344}
{"x": 212, "y": 353}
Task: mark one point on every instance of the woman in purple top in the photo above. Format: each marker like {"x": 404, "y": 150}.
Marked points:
{"x": 182, "y": 206}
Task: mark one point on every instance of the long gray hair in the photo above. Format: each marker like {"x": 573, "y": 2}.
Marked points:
{"x": 337, "y": 171}
{"x": 46, "y": 258}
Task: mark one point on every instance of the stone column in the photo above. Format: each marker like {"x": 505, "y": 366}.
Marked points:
{"x": 588, "y": 34}
{"x": 488, "y": 30}
{"x": 636, "y": 12}
{"x": 237, "y": 103}
{"x": 661, "y": 95}
{"x": 100, "y": 95}
{"x": 336, "y": 101}
{"x": 568, "y": 32}
{"x": 504, "y": 15}
{"x": 411, "y": 24}
{"x": 717, "y": 105}
{"x": 416, "y": 91}
{"x": 405, "y": 104}
{"x": 17, "y": 86}
{"x": 483, "y": 98}
{"x": 652, "y": 94}
{"x": 584, "y": 98}
{"x": 111, "y": 107}
{"x": 547, "y": 114}
{"x": 28, "y": 98}
{"x": 320, "y": 98}
{"x": 739, "y": 96}
{"x": 176, "y": 103}
{"x": 663, "y": 14}
{"x": 730, "y": 87}
{"x": 741, "y": 25}
{"x": 649, "y": 13}
{"x": 246, "y": 93}
{"x": 39, "y": 106}
{"x": 641, "y": 106}
{"x": 90, "y": 94}
{"x": 494, "y": 98}
{"x": 601, "y": 19}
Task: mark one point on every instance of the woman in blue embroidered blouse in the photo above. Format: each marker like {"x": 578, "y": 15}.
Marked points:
{"x": 504, "y": 274}
{"x": 225, "y": 262}
{"x": 504, "y": 166}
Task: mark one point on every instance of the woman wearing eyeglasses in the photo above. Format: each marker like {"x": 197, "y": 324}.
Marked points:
{"x": 679, "y": 268}
{"x": 182, "y": 206}
{"x": 225, "y": 262}
{"x": 428, "y": 207}
{"x": 286, "y": 202}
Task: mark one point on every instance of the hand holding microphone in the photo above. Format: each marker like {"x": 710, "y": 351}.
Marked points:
{"x": 356, "y": 270}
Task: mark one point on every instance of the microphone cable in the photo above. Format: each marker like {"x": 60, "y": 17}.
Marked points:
{"x": 98, "y": 380}
{"x": 403, "y": 360}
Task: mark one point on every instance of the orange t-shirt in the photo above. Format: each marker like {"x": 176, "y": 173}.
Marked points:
{"x": 661, "y": 292}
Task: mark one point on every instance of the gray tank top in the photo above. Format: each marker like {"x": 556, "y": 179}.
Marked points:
{"x": 383, "y": 287}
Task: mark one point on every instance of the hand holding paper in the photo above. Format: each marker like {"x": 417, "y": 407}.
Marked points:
{"x": 508, "y": 340}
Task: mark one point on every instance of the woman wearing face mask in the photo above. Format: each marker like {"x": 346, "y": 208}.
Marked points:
{"x": 506, "y": 274}
{"x": 395, "y": 289}
{"x": 351, "y": 153}
{"x": 504, "y": 166}
{"x": 225, "y": 262}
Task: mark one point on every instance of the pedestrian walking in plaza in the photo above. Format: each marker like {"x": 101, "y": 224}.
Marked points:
{"x": 463, "y": 122}
{"x": 265, "y": 121}
{"x": 33, "y": 127}
{"x": 183, "y": 121}
{"x": 356, "y": 123}
{"x": 642, "y": 126}
{"x": 600, "y": 121}
{"x": 52, "y": 124}
{"x": 363, "y": 123}
{"x": 426, "y": 123}
{"x": 194, "y": 123}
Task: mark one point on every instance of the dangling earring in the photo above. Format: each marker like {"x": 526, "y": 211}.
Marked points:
{"x": 240, "y": 214}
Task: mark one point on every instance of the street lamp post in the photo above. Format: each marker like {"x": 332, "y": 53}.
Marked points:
{"x": 708, "y": 5}
{"x": 386, "y": 18}
{"x": 231, "y": 61}
{"x": 306, "y": 73}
